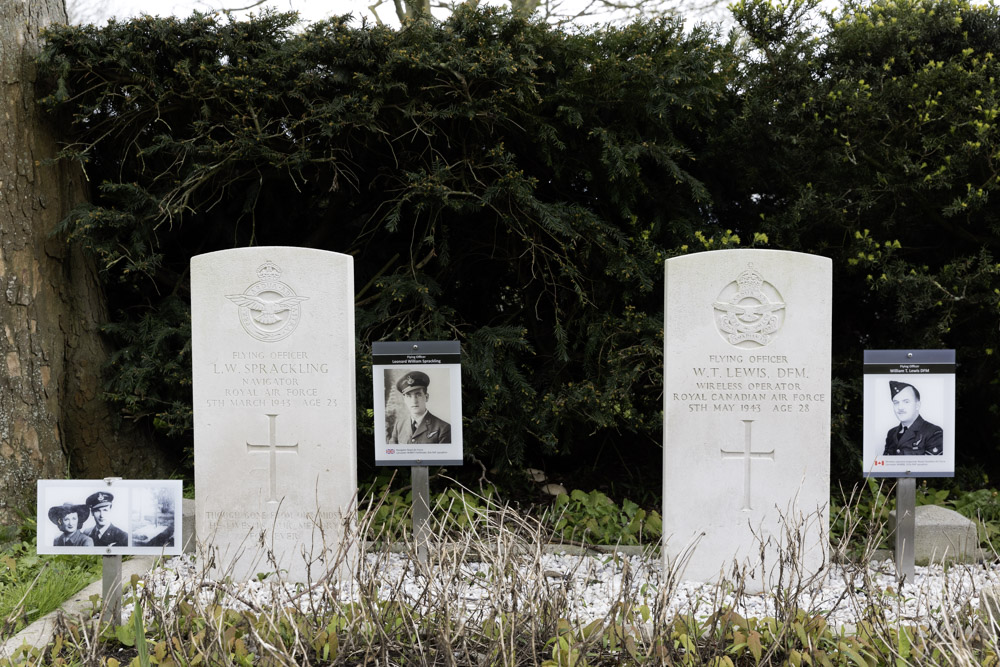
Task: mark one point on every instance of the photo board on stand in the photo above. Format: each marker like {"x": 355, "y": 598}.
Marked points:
{"x": 418, "y": 403}
{"x": 110, "y": 517}
{"x": 909, "y": 413}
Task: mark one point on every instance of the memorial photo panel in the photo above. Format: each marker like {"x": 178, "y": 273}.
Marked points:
{"x": 417, "y": 403}
{"x": 121, "y": 517}
{"x": 909, "y": 413}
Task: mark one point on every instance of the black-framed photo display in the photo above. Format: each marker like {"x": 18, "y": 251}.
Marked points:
{"x": 109, "y": 517}
{"x": 418, "y": 403}
{"x": 909, "y": 413}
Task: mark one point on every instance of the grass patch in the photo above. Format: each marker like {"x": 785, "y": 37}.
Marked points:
{"x": 32, "y": 585}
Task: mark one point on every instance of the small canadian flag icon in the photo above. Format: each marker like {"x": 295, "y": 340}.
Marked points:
{"x": 879, "y": 463}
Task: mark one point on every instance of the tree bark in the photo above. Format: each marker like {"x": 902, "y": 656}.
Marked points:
{"x": 53, "y": 420}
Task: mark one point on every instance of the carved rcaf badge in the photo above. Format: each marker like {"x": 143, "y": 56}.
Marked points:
{"x": 749, "y": 310}
{"x": 269, "y": 309}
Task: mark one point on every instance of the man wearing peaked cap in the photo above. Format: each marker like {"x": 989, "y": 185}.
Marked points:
{"x": 69, "y": 517}
{"x": 914, "y": 436}
{"x": 104, "y": 533}
{"x": 419, "y": 426}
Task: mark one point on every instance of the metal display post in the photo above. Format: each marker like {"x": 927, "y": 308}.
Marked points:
{"x": 111, "y": 579}
{"x": 111, "y": 589}
{"x": 420, "y": 483}
{"x": 906, "y": 508}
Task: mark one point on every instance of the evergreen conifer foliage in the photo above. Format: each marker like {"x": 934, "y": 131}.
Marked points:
{"x": 517, "y": 188}
{"x": 498, "y": 181}
{"x": 872, "y": 138}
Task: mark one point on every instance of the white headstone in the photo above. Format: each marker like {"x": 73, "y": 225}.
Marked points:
{"x": 746, "y": 429}
{"x": 274, "y": 411}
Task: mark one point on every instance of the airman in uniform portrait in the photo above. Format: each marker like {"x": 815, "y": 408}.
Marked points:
{"x": 914, "y": 436}
{"x": 104, "y": 533}
{"x": 419, "y": 426}
{"x": 68, "y": 518}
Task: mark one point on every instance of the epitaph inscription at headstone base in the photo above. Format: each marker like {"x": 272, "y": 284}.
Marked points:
{"x": 746, "y": 433}
{"x": 274, "y": 408}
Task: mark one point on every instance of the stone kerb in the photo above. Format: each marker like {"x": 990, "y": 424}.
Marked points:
{"x": 746, "y": 433}
{"x": 274, "y": 408}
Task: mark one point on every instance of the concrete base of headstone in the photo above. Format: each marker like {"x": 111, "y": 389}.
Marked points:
{"x": 941, "y": 535}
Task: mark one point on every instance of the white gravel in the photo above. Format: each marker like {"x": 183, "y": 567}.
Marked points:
{"x": 592, "y": 585}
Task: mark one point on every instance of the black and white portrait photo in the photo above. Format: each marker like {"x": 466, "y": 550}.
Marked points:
{"x": 87, "y": 516}
{"x": 104, "y": 531}
{"x": 914, "y": 435}
{"x": 69, "y": 519}
{"x": 409, "y": 419}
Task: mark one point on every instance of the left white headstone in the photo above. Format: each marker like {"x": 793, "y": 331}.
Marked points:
{"x": 274, "y": 409}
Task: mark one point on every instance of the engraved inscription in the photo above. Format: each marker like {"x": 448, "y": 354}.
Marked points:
{"x": 273, "y": 449}
{"x": 275, "y": 380}
{"x": 749, "y": 385}
{"x": 268, "y": 309}
{"x": 747, "y": 455}
{"x": 749, "y": 310}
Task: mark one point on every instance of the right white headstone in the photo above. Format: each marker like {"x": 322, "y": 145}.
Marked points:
{"x": 746, "y": 428}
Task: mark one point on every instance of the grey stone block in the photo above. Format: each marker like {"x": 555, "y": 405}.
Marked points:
{"x": 941, "y": 535}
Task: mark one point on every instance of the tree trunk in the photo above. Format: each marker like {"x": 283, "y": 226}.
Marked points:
{"x": 53, "y": 420}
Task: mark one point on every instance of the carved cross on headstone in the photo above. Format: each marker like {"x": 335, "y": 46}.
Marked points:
{"x": 273, "y": 448}
{"x": 747, "y": 454}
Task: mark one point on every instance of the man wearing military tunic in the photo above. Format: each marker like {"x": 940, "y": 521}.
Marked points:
{"x": 104, "y": 533}
{"x": 914, "y": 436}
{"x": 420, "y": 426}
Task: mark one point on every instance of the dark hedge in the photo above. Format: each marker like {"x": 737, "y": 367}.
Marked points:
{"x": 517, "y": 187}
